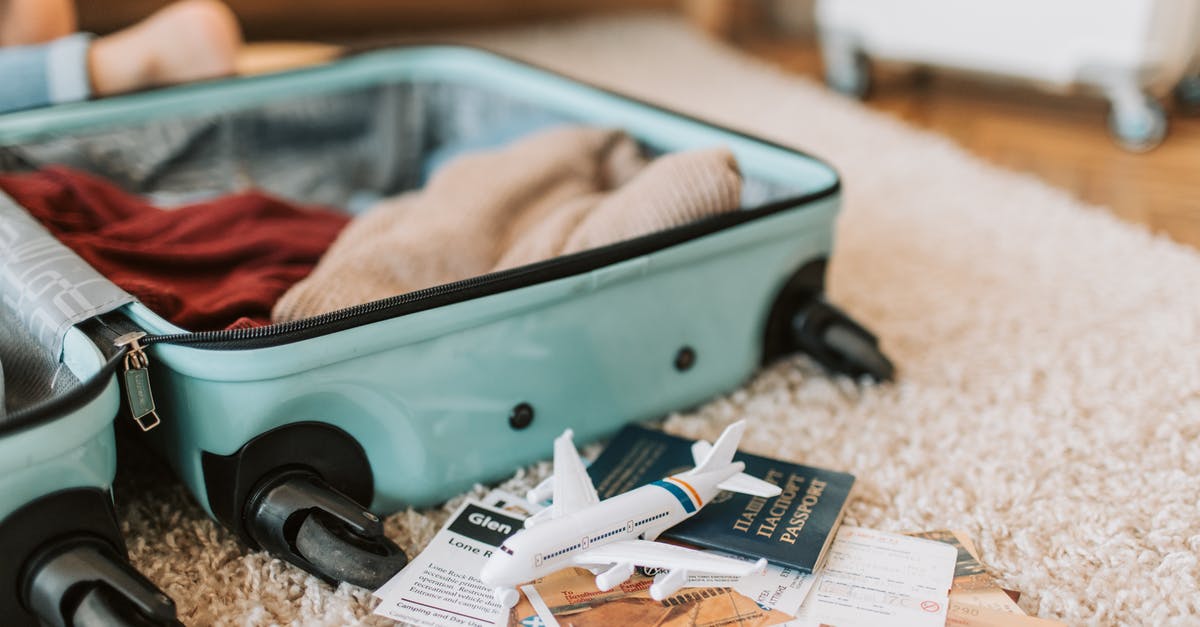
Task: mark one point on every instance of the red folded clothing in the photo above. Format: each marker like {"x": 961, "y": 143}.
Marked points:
{"x": 210, "y": 265}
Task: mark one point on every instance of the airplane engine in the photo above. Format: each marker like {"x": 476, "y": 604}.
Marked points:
{"x": 667, "y": 583}
{"x": 613, "y": 577}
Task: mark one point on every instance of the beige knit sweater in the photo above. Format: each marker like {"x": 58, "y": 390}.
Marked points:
{"x": 553, "y": 193}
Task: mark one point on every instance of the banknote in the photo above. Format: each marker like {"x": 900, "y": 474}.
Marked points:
{"x": 571, "y": 599}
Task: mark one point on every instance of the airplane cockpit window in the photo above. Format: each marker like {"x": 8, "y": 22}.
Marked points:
{"x": 504, "y": 547}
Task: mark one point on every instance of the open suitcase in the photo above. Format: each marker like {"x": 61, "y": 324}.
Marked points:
{"x": 63, "y": 556}
{"x": 288, "y": 433}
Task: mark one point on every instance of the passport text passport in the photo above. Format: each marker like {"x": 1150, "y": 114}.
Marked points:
{"x": 793, "y": 529}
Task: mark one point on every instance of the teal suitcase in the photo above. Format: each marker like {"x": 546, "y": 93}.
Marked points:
{"x": 62, "y": 556}
{"x": 293, "y": 434}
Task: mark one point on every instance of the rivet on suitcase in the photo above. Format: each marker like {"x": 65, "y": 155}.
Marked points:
{"x": 286, "y": 432}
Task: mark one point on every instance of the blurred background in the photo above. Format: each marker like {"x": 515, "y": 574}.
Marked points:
{"x": 1097, "y": 98}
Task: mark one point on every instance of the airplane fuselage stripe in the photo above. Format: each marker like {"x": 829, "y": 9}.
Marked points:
{"x": 687, "y": 485}
{"x": 679, "y": 494}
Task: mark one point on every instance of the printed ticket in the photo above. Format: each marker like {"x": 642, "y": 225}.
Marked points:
{"x": 972, "y": 583}
{"x": 441, "y": 586}
{"x": 875, "y": 578}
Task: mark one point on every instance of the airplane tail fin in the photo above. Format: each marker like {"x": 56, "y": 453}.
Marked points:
{"x": 719, "y": 455}
{"x": 710, "y": 457}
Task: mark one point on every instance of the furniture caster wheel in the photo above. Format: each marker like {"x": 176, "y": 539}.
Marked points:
{"x": 847, "y": 70}
{"x": 299, "y": 518}
{"x": 341, "y": 554}
{"x": 1187, "y": 94}
{"x": 1138, "y": 128}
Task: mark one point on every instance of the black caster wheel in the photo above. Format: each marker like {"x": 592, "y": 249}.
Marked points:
{"x": 82, "y": 583}
{"x": 102, "y": 607}
{"x": 801, "y": 321}
{"x": 299, "y": 518}
{"x": 1138, "y": 128}
{"x": 857, "y": 350}
{"x": 839, "y": 343}
{"x": 346, "y": 556}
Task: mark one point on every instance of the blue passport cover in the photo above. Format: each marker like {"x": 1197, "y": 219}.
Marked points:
{"x": 793, "y": 529}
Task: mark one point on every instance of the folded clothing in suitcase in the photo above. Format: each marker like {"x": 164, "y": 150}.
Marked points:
{"x": 284, "y": 432}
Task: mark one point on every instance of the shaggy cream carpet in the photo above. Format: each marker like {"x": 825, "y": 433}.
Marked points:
{"x": 1049, "y": 395}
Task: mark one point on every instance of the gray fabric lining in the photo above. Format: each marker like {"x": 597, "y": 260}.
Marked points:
{"x": 30, "y": 373}
{"x": 326, "y": 149}
{"x": 46, "y": 285}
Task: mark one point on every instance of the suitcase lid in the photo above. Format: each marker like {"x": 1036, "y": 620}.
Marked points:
{"x": 50, "y": 368}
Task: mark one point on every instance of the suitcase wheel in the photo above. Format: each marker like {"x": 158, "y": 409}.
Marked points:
{"x": 802, "y": 321}
{"x": 344, "y": 556}
{"x": 81, "y": 583}
{"x": 839, "y": 343}
{"x": 300, "y": 518}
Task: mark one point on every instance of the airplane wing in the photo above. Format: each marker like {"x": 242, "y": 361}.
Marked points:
{"x": 668, "y": 557}
{"x": 573, "y": 489}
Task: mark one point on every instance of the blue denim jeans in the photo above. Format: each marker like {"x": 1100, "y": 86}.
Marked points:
{"x": 45, "y": 74}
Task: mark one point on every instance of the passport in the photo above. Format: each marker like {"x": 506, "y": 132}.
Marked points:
{"x": 793, "y": 529}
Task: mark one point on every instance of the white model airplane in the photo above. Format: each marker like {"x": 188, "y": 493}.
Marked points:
{"x": 612, "y": 537}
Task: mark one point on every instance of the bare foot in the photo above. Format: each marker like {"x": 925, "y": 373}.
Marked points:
{"x": 186, "y": 41}
{"x": 25, "y": 22}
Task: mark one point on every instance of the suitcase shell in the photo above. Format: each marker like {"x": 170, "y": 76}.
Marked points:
{"x": 58, "y": 529}
{"x": 1131, "y": 51}
{"x": 408, "y": 401}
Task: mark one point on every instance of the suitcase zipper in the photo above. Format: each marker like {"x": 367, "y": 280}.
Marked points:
{"x": 232, "y": 339}
{"x": 515, "y": 278}
{"x": 137, "y": 380}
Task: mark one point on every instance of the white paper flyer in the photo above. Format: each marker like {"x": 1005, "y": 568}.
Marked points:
{"x": 441, "y": 586}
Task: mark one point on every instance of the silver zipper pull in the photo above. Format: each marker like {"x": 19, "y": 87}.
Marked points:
{"x": 137, "y": 381}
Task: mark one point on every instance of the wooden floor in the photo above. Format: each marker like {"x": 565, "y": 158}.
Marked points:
{"x": 1062, "y": 139}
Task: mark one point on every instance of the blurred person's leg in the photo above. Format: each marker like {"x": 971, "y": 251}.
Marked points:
{"x": 186, "y": 41}
{"x": 26, "y": 22}
{"x": 43, "y": 74}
